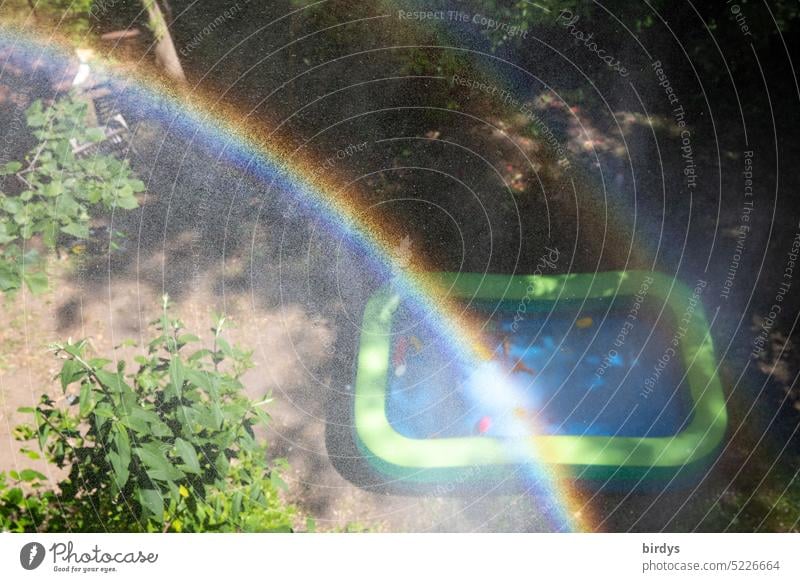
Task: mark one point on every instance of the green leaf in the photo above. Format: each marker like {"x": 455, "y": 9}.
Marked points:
{"x": 160, "y": 429}
{"x": 43, "y": 429}
{"x": 8, "y": 278}
{"x": 63, "y": 152}
{"x": 121, "y": 471}
{"x": 277, "y": 482}
{"x": 207, "y": 419}
{"x": 225, "y": 347}
{"x": 216, "y": 412}
{"x": 158, "y": 466}
{"x": 31, "y": 475}
{"x": 49, "y": 230}
{"x": 188, "y": 454}
{"x": 261, "y": 415}
{"x": 199, "y": 355}
{"x": 36, "y": 281}
{"x": 75, "y": 349}
{"x": 95, "y": 134}
{"x": 153, "y": 502}
{"x": 70, "y": 371}
{"x": 6, "y": 235}
{"x": 136, "y": 185}
{"x": 10, "y": 168}
{"x": 36, "y": 119}
{"x": 176, "y": 375}
{"x": 127, "y": 202}
{"x": 85, "y": 400}
{"x": 147, "y": 415}
{"x": 122, "y": 443}
{"x": 102, "y": 414}
{"x": 53, "y": 189}
{"x": 221, "y": 464}
{"x": 15, "y": 496}
{"x": 137, "y": 419}
{"x": 12, "y": 205}
{"x": 104, "y": 411}
{"x": 236, "y": 504}
{"x": 76, "y": 229}
{"x": 188, "y": 338}
{"x": 113, "y": 382}
{"x": 205, "y": 380}
{"x": 31, "y": 454}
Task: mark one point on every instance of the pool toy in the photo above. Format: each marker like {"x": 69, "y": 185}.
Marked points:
{"x": 516, "y": 366}
{"x": 399, "y": 357}
{"x": 605, "y": 409}
{"x": 484, "y": 424}
{"x": 520, "y": 367}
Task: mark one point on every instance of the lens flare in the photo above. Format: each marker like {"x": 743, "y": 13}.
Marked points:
{"x": 238, "y": 140}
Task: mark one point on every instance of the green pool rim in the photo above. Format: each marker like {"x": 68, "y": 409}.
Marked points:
{"x": 592, "y": 457}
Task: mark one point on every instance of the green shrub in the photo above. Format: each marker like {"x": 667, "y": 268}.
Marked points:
{"x": 53, "y": 194}
{"x": 68, "y": 18}
{"x": 168, "y": 447}
{"x": 24, "y": 503}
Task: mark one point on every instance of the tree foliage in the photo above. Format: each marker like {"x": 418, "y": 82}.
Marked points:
{"x": 170, "y": 446}
{"x": 54, "y": 192}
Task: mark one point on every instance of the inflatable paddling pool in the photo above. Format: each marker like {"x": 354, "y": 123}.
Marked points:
{"x": 614, "y": 373}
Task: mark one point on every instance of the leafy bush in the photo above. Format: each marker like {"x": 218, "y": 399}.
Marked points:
{"x": 22, "y": 511}
{"x": 168, "y": 447}
{"x": 68, "y": 18}
{"x": 56, "y": 192}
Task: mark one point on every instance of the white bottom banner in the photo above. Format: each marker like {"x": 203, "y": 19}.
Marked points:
{"x": 407, "y": 557}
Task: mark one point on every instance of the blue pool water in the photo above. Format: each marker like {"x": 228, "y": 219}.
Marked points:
{"x": 571, "y": 372}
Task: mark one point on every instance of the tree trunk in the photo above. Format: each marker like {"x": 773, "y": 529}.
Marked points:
{"x": 166, "y": 56}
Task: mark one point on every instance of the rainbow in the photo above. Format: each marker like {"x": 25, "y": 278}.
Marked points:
{"x": 221, "y": 129}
